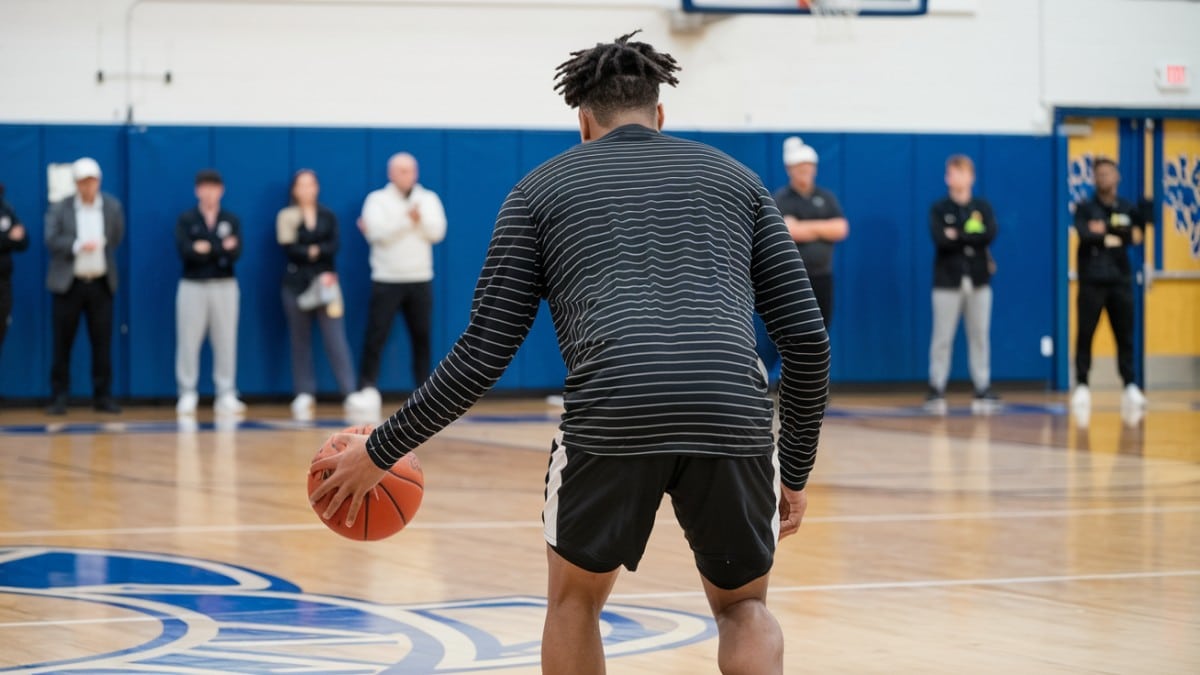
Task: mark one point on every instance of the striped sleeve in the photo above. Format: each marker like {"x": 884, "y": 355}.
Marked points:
{"x": 504, "y": 307}
{"x": 784, "y": 299}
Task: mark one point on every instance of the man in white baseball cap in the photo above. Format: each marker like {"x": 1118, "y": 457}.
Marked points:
{"x": 82, "y": 235}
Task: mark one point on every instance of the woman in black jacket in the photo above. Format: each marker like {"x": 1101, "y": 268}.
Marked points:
{"x": 308, "y": 233}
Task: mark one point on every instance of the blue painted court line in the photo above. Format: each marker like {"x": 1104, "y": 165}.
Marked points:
{"x": 1054, "y": 409}
{"x": 174, "y": 426}
{"x": 164, "y": 427}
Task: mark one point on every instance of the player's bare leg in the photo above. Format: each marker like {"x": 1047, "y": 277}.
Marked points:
{"x": 571, "y": 643}
{"x": 749, "y": 638}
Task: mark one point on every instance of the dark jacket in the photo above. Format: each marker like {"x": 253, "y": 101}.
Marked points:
{"x": 60, "y": 241}
{"x": 968, "y": 253}
{"x": 9, "y": 220}
{"x": 217, "y": 263}
{"x": 301, "y": 269}
{"x": 1094, "y": 261}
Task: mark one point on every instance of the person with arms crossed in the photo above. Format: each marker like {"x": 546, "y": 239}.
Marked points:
{"x": 82, "y": 236}
{"x": 963, "y": 227}
{"x": 401, "y": 221}
{"x": 1107, "y": 226}
{"x": 814, "y": 218}
{"x": 653, "y": 254}
{"x": 209, "y": 240}
{"x": 13, "y": 239}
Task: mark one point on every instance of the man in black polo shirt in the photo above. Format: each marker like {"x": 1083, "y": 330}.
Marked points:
{"x": 814, "y": 218}
{"x": 1107, "y": 226}
{"x": 13, "y": 238}
{"x": 209, "y": 240}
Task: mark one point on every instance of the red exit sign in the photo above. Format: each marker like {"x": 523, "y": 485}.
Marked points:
{"x": 1172, "y": 76}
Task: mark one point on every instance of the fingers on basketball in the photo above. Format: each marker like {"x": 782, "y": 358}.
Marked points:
{"x": 384, "y": 510}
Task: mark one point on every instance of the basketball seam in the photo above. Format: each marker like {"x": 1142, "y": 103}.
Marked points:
{"x": 399, "y": 510}
{"x": 406, "y": 478}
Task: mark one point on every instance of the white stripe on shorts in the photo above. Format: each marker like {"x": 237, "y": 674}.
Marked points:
{"x": 776, "y": 483}
{"x": 558, "y": 462}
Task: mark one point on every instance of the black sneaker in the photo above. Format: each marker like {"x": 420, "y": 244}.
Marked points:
{"x": 986, "y": 401}
{"x": 58, "y": 405}
{"x": 105, "y": 404}
{"x": 935, "y": 401}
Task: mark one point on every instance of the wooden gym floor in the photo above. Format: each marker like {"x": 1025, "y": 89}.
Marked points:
{"x": 1015, "y": 543}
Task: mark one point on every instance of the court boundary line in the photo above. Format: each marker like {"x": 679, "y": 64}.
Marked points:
{"x": 522, "y": 524}
{"x": 931, "y": 583}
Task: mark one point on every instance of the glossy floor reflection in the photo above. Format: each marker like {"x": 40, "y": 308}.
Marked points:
{"x": 1025, "y": 541}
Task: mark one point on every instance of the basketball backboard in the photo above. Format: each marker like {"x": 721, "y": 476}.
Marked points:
{"x": 864, "y": 7}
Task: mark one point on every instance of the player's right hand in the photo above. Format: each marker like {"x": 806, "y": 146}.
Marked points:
{"x": 202, "y": 247}
{"x": 792, "y": 505}
{"x": 1097, "y": 226}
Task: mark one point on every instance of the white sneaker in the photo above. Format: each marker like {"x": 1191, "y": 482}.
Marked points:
{"x": 229, "y": 405}
{"x": 1082, "y": 398}
{"x": 357, "y": 402}
{"x": 303, "y": 407}
{"x": 1133, "y": 397}
{"x": 1083, "y": 416}
{"x": 371, "y": 398}
{"x": 187, "y": 404}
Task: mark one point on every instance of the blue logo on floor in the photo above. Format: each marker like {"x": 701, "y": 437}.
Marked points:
{"x": 172, "y": 614}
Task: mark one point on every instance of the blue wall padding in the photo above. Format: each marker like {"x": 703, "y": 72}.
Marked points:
{"x": 885, "y": 182}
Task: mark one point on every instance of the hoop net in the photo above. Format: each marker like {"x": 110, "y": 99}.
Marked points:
{"x": 834, "y": 18}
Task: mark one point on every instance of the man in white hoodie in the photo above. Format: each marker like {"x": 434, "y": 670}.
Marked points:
{"x": 402, "y": 221}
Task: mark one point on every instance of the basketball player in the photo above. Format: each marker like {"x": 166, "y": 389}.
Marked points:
{"x": 1107, "y": 225}
{"x": 653, "y": 254}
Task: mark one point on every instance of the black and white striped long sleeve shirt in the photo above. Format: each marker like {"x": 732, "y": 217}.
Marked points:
{"x": 653, "y": 254}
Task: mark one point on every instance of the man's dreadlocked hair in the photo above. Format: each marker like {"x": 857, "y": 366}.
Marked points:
{"x": 615, "y": 76}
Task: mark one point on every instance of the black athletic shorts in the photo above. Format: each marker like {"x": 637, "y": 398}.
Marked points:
{"x": 600, "y": 510}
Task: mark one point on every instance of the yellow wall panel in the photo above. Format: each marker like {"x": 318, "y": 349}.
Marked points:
{"x": 1173, "y": 305}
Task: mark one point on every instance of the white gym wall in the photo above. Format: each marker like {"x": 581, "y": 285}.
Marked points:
{"x": 971, "y": 65}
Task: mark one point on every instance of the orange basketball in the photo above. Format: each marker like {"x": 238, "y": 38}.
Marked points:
{"x": 389, "y": 507}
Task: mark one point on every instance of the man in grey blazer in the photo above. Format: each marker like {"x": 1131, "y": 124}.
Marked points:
{"x": 82, "y": 235}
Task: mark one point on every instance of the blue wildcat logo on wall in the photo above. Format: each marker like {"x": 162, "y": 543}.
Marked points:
{"x": 1080, "y": 182}
{"x": 171, "y": 614}
{"x": 1181, "y": 185}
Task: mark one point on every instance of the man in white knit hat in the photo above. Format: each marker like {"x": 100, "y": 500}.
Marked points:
{"x": 814, "y": 217}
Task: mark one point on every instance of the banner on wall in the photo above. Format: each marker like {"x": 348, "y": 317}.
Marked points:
{"x": 1181, "y": 204}
{"x": 60, "y": 182}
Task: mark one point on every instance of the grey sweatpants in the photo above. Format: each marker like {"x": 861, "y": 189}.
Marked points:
{"x": 948, "y": 306}
{"x": 206, "y": 308}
